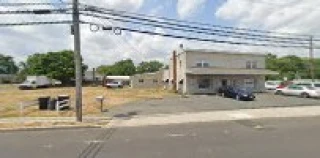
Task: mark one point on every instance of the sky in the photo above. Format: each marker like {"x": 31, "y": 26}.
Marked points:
{"x": 103, "y": 48}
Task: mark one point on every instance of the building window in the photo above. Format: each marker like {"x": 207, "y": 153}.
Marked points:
{"x": 254, "y": 65}
{"x": 249, "y": 83}
{"x": 155, "y": 81}
{"x": 199, "y": 64}
{"x": 141, "y": 80}
{"x": 248, "y": 65}
{"x": 251, "y": 65}
{"x": 203, "y": 64}
{"x": 203, "y": 83}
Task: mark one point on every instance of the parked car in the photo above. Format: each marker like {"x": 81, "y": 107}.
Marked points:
{"x": 315, "y": 85}
{"x": 33, "y": 82}
{"x": 299, "y": 90}
{"x": 236, "y": 93}
{"x": 115, "y": 84}
{"x": 272, "y": 85}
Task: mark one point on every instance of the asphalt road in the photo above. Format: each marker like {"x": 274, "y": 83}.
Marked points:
{"x": 283, "y": 138}
{"x": 200, "y": 103}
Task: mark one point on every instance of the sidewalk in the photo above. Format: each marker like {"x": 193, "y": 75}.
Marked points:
{"x": 178, "y": 118}
{"x": 50, "y": 119}
{"x": 198, "y": 117}
{"x": 49, "y": 123}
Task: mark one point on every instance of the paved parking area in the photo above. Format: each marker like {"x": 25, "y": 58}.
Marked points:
{"x": 200, "y": 103}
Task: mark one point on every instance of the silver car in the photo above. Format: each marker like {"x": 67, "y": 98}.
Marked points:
{"x": 315, "y": 85}
{"x": 299, "y": 90}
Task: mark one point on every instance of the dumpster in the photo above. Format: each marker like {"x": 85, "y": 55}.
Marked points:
{"x": 43, "y": 102}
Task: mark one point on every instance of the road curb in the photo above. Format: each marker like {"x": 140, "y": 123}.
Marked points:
{"x": 8, "y": 130}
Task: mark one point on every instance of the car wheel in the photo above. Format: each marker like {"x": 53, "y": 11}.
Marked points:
{"x": 305, "y": 95}
{"x": 278, "y": 92}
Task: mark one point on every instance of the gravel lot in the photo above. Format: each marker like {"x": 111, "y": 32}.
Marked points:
{"x": 199, "y": 103}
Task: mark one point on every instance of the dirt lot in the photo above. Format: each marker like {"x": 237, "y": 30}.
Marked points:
{"x": 11, "y": 97}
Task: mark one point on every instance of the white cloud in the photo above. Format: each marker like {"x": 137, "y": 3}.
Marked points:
{"x": 97, "y": 48}
{"x": 187, "y": 8}
{"x": 292, "y": 16}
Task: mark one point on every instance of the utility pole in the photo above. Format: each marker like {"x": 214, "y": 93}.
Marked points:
{"x": 311, "y": 59}
{"x": 174, "y": 60}
{"x": 77, "y": 59}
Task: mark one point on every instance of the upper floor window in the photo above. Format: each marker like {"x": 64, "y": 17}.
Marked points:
{"x": 254, "y": 65}
{"x": 203, "y": 64}
{"x": 248, "y": 65}
{"x": 251, "y": 65}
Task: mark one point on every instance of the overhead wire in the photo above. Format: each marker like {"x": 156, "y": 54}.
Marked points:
{"x": 217, "y": 33}
{"x": 125, "y": 13}
{"x": 286, "y": 39}
{"x": 36, "y": 23}
{"x": 199, "y": 28}
{"x": 191, "y": 38}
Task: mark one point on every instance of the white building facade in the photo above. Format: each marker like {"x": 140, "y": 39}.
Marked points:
{"x": 204, "y": 71}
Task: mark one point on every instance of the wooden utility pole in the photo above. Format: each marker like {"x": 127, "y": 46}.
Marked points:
{"x": 174, "y": 59}
{"x": 311, "y": 59}
{"x": 77, "y": 59}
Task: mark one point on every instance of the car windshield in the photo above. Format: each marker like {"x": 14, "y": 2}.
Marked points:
{"x": 310, "y": 88}
{"x": 28, "y": 82}
{"x": 317, "y": 85}
{"x": 271, "y": 83}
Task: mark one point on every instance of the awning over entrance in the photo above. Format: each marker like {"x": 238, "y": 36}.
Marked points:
{"x": 227, "y": 71}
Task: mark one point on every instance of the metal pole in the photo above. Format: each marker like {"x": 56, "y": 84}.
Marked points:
{"x": 311, "y": 59}
{"x": 77, "y": 59}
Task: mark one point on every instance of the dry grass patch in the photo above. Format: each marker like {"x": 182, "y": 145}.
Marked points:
{"x": 11, "y": 97}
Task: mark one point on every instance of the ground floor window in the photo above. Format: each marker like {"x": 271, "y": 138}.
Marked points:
{"x": 203, "y": 83}
{"x": 249, "y": 83}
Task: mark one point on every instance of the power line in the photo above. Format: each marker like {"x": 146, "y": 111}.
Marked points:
{"x": 125, "y": 13}
{"x": 36, "y": 23}
{"x": 36, "y": 11}
{"x": 31, "y": 4}
{"x": 193, "y": 38}
{"x": 216, "y": 33}
{"x": 198, "y": 28}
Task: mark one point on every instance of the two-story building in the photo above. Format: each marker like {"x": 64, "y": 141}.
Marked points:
{"x": 204, "y": 71}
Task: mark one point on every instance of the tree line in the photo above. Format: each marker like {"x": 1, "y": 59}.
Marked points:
{"x": 127, "y": 68}
{"x": 291, "y": 67}
{"x": 60, "y": 65}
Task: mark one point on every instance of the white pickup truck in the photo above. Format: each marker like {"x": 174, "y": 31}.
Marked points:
{"x": 33, "y": 82}
{"x": 115, "y": 84}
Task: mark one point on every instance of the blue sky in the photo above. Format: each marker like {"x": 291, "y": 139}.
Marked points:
{"x": 295, "y": 16}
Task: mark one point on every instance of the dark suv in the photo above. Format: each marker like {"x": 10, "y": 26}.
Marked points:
{"x": 236, "y": 93}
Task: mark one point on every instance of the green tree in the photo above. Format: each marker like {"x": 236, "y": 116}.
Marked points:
{"x": 124, "y": 68}
{"x": 290, "y": 66}
{"x": 121, "y": 68}
{"x": 57, "y": 65}
{"x": 7, "y": 65}
{"x": 151, "y": 66}
{"x": 317, "y": 68}
{"x": 105, "y": 70}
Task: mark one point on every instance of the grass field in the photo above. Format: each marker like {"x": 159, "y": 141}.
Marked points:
{"x": 11, "y": 97}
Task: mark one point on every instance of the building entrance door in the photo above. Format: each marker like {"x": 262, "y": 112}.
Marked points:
{"x": 224, "y": 82}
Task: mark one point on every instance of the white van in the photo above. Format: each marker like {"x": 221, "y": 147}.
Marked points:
{"x": 33, "y": 82}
